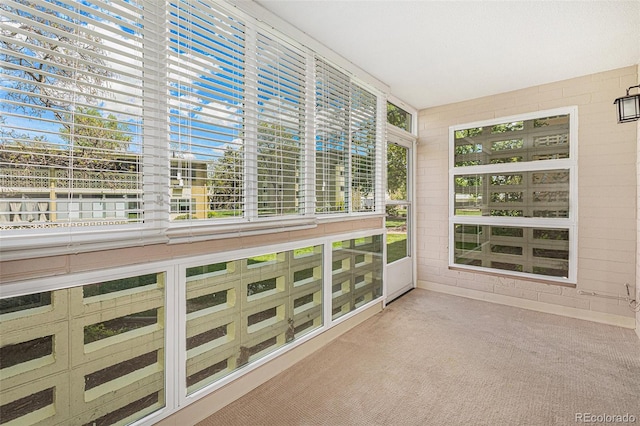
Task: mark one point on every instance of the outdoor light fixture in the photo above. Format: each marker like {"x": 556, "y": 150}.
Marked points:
{"x": 628, "y": 106}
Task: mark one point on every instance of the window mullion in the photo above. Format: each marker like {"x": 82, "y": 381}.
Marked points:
{"x": 348, "y": 174}
{"x": 155, "y": 137}
{"x": 381, "y": 155}
{"x": 251, "y": 127}
{"x": 309, "y": 166}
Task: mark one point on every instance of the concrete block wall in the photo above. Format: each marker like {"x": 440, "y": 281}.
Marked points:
{"x": 607, "y": 199}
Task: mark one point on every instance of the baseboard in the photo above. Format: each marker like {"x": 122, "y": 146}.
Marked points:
{"x": 601, "y": 317}
{"x": 209, "y": 404}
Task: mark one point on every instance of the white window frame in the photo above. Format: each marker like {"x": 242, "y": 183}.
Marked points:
{"x": 408, "y": 108}
{"x": 570, "y": 223}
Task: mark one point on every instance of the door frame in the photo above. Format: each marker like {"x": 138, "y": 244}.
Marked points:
{"x": 409, "y": 141}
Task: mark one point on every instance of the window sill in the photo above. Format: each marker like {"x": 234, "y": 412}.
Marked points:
{"x": 564, "y": 282}
{"x": 240, "y": 228}
{"x": 349, "y": 217}
{"x": 29, "y": 245}
{"x": 36, "y": 244}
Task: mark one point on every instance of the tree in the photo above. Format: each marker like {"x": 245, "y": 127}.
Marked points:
{"x": 96, "y": 144}
{"x": 226, "y": 180}
{"x": 278, "y": 164}
{"x": 397, "y": 116}
{"x": 396, "y": 172}
{"x": 91, "y": 130}
{"x": 49, "y": 63}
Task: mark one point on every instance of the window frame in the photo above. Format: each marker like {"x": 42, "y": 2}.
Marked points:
{"x": 569, "y": 223}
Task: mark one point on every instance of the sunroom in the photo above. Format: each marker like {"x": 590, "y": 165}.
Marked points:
{"x": 195, "y": 195}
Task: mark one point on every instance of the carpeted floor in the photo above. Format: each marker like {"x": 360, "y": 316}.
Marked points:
{"x": 435, "y": 359}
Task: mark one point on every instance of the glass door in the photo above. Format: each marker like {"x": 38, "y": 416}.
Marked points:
{"x": 399, "y": 212}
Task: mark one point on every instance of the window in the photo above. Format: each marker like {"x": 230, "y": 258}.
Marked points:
{"x": 108, "y": 123}
{"x": 399, "y": 117}
{"x": 513, "y": 197}
{"x": 275, "y": 297}
{"x": 347, "y": 144}
{"x": 72, "y": 111}
{"x": 96, "y": 342}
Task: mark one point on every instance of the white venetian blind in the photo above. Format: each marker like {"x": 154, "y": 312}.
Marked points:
{"x": 72, "y": 107}
{"x": 332, "y": 118}
{"x": 363, "y": 149}
{"x": 279, "y": 107}
{"x": 206, "y": 67}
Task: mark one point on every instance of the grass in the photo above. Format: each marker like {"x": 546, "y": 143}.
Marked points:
{"x": 468, "y": 212}
{"x": 394, "y": 223}
{"x": 396, "y": 247}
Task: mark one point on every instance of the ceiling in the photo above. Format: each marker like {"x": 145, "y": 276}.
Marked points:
{"x": 438, "y": 52}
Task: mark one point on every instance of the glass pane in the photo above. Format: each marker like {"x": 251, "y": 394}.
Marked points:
{"x": 397, "y": 168}
{"x": 514, "y": 194}
{"x": 71, "y": 125}
{"x": 357, "y": 274}
{"x": 332, "y": 139}
{"x": 396, "y": 224}
{"x": 363, "y": 149}
{"x": 398, "y": 117}
{"x": 241, "y": 310}
{"x": 520, "y": 141}
{"x": 280, "y": 108}
{"x": 99, "y": 341}
{"x": 206, "y": 104}
{"x": 542, "y": 251}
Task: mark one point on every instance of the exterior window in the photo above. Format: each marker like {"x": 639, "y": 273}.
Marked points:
{"x": 356, "y": 273}
{"x": 274, "y": 297}
{"x": 346, "y": 143}
{"x": 72, "y": 109}
{"x": 207, "y": 90}
{"x": 513, "y": 198}
{"x": 398, "y": 117}
{"x": 88, "y": 140}
{"x": 97, "y": 341}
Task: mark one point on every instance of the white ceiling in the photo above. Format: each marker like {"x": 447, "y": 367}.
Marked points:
{"x": 438, "y": 52}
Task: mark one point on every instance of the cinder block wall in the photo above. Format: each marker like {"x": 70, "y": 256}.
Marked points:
{"x": 607, "y": 193}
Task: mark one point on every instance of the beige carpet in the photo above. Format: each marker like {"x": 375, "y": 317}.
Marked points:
{"x": 434, "y": 359}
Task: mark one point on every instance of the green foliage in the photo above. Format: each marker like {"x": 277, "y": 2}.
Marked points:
{"x": 396, "y": 247}
{"x": 397, "y": 172}
{"x": 398, "y": 117}
{"x": 506, "y": 179}
{"x": 226, "y": 180}
{"x": 95, "y": 332}
{"x": 279, "y": 157}
{"x": 468, "y": 133}
{"x": 507, "y": 127}
{"x": 186, "y": 216}
{"x": 86, "y": 127}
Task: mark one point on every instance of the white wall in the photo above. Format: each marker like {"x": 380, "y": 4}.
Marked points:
{"x": 638, "y": 218}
